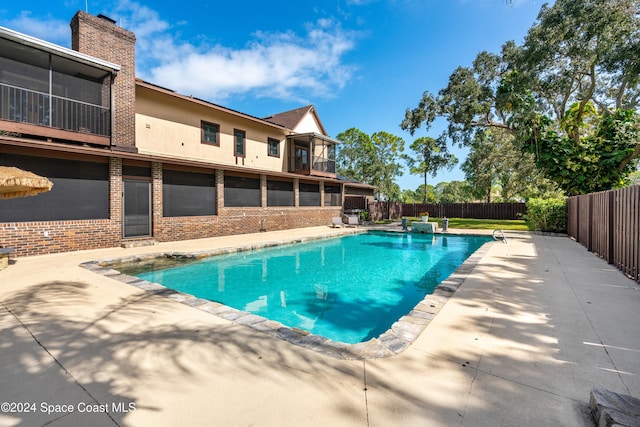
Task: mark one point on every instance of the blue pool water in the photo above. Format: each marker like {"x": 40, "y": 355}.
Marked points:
{"x": 348, "y": 289}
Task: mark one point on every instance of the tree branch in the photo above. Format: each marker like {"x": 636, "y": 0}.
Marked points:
{"x": 621, "y": 91}
{"x": 565, "y": 99}
{"x": 492, "y": 124}
{"x": 629, "y": 158}
{"x": 585, "y": 100}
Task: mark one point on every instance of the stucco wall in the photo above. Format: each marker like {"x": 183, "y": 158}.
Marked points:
{"x": 308, "y": 124}
{"x": 172, "y": 127}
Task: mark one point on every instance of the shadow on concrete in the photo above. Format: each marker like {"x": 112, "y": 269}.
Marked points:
{"x": 129, "y": 345}
{"x": 520, "y": 359}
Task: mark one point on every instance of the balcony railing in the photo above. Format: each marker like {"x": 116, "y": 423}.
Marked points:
{"x": 323, "y": 164}
{"x": 320, "y": 164}
{"x": 41, "y": 109}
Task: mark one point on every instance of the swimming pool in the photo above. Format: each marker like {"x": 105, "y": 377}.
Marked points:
{"x": 349, "y": 289}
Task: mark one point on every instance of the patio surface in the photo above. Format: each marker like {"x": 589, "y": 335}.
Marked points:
{"x": 536, "y": 325}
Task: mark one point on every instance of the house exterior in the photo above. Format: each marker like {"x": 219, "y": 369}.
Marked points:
{"x": 135, "y": 163}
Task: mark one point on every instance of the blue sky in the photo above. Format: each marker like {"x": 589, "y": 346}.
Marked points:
{"x": 362, "y": 63}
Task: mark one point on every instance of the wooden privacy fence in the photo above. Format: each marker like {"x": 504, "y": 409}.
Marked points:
{"x": 355, "y": 203}
{"x": 396, "y": 210}
{"x": 608, "y": 224}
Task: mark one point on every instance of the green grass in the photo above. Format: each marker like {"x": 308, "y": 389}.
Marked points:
{"x": 482, "y": 224}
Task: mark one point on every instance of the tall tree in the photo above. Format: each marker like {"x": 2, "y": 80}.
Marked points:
{"x": 425, "y": 194}
{"x": 495, "y": 164}
{"x": 429, "y": 156}
{"x": 454, "y": 192}
{"x": 355, "y": 157}
{"x": 388, "y": 149}
{"x": 374, "y": 160}
{"x": 569, "y": 94}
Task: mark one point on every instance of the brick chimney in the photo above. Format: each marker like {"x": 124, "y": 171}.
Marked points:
{"x": 100, "y": 37}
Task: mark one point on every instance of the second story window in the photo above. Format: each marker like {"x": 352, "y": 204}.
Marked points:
{"x": 274, "y": 147}
{"x": 239, "y": 142}
{"x": 210, "y": 133}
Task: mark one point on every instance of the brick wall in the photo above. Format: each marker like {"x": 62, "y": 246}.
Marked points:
{"x": 230, "y": 221}
{"x": 45, "y": 237}
{"x": 36, "y": 238}
{"x": 101, "y": 38}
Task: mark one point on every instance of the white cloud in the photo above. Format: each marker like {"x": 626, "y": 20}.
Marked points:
{"x": 53, "y": 30}
{"x": 280, "y": 65}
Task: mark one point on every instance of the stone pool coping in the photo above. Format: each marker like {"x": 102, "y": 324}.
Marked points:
{"x": 392, "y": 342}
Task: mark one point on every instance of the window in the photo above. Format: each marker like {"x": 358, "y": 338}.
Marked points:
{"x": 210, "y": 133}
{"x": 274, "y": 147}
{"x": 241, "y": 191}
{"x": 332, "y": 195}
{"x": 239, "y": 139}
{"x": 80, "y": 190}
{"x": 188, "y": 194}
{"x": 280, "y": 193}
{"x": 309, "y": 194}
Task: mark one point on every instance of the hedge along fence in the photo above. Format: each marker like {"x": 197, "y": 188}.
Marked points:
{"x": 608, "y": 224}
{"x": 396, "y": 210}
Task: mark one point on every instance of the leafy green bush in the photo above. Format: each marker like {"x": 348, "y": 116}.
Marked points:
{"x": 547, "y": 214}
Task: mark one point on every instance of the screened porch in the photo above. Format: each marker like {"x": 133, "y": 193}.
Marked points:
{"x": 53, "y": 92}
{"x": 312, "y": 154}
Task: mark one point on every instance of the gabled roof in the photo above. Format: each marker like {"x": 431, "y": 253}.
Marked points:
{"x": 290, "y": 119}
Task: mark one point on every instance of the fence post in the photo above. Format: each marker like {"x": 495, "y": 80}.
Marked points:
{"x": 590, "y": 228}
{"x": 611, "y": 230}
{"x": 578, "y": 198}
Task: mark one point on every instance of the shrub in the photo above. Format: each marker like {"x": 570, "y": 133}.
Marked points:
{"x": 547, "y": 214}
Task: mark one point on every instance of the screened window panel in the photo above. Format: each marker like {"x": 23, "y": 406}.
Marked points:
{"x": 309, "y": 194}
{"x": 140, "y": 171}
{"x": 24, "y": 76}
{"x": 78, "y": 89}
{"x": 188, "y": 194}
{"x": 280, "y": 193}
{"x": 332, "y": 196}
{"x": 80, "y": 191}
{"x": 241, "y": 191}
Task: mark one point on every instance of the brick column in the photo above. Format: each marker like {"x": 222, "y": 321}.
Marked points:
{"x": 115, "y": 191}
{"x": 156, "y": 197}
{"x": 263, "y": 191}
{"x": 219, "y": 190}
{"x": 100, "y": 37}
{"x": 321, "y": 187}
{"x": 296, "y": 192}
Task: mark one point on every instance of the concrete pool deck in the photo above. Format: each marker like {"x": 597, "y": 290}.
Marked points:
{"x": 535, "y": 326}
